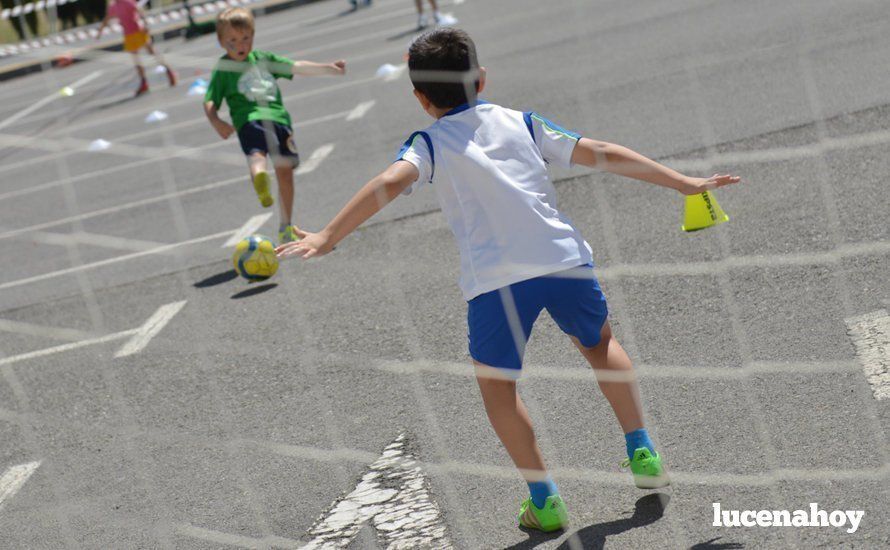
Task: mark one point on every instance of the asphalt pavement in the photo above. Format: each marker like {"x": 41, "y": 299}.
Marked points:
{"x": 149, "y": 398}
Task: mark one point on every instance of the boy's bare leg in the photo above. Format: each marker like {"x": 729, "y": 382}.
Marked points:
{"x": 162, "y": 63}
{"x": 616, "y": 378}
{"x": 284, "y": 171}
{"x": 510, "y": 420}
{"x": 256, "y": 163}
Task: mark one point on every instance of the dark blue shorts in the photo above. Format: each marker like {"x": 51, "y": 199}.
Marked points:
{"x": 500, "y": 322}
{"x": 279, "y": 141}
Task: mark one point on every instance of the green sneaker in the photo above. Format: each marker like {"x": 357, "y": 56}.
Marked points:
{"x": 289, "y": 235}
{"x": 647, "y": 470}
{"x": 261, "y": 186}
{"x": 551, "y": 517}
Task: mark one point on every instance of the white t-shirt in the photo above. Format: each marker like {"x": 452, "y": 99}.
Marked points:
{"x": 488, "y": 165}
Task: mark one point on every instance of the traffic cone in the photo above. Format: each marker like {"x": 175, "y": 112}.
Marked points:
{"x": 702, "y": 211}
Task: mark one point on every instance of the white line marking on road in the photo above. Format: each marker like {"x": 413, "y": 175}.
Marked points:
{"x": 82, "y": 237}
{"x": 116, "y": 259}
{"x": 236, "y": 540}
{"x": 315, "y": 159}
{"x": 360, "y": 110}
{"x": 247, "y": 229}
{"x": 68, "y": 334}
{"x": 25, "y": 112}
{"x": 871, "y": 337}
{"x": 150, "y": 329}
{"x": 394, "y": 496}
{"x": 66, "y": 347}
{"x": 121, "y": 207}
{"x": 14, "y": 478}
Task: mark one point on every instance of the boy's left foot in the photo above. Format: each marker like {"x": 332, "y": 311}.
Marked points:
{"x": 288, "y": 235}
{"x": 551, "y": 517}
{"x": 647, "y": 469}
{"x": 143, "y": 88}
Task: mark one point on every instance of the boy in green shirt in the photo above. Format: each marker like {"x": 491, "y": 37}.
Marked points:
{"x": 245, "y": 79}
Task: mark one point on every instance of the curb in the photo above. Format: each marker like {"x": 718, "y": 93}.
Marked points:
{"x": 165, "y": 33}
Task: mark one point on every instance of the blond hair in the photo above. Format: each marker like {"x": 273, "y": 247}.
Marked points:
{"x": 234, "y": 18}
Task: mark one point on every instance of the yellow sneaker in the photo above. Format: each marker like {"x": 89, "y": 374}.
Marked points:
{"x": 288, "y": 235}
{"x": 261, "y": 186}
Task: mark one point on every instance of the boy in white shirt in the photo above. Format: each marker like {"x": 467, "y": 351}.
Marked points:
{"x": 518, "y": 253}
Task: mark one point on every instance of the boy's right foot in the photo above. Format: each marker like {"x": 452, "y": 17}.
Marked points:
{"x": 261, "y": 186}
{"x": 647, "y": 469}
{"x": 551, "y": 517}
{"x": 422, "y": 22}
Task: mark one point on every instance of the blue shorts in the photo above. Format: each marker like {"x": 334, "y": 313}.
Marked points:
{"x": 280, "y": 140}
{"x": 500, "y": 322}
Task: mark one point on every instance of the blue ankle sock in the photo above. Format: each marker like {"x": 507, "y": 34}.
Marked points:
{"x": 540, "y": 490}
{"x": 636, "y": 439}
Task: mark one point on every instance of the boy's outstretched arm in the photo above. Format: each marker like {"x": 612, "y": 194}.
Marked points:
{"x": 309, "y": 68}
{"x": 369, "y": 200}
{"x": 620, "y": 160}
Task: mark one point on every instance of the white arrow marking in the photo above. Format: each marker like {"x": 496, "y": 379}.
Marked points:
{"x": 82, "y": 237}
{"x": 68, "y": 334}
{"x": 248, "y": 228}
{"x": 14, "y": 478}
{"x": 315, "y": 159}
{"x": 394, "y": 496}
{"x": 67, "y": 347}
{"x": 150, "y": 329}
{"x": 871, "y": 337}
{"x": 360, "y": 110}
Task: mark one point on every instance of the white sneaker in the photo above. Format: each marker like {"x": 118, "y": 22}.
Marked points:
{"x": 422, "y": 21}
{"x": 437, "y": 17}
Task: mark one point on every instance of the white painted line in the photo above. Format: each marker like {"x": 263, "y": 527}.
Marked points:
{"x": 236, "y": 540}
{"x": 82, "y": 237}
{"x": 68, "y": 334}
{"x": 360, "y": 110}
{"x": 394, "y": 496}
{"x": 66, "y": 347}
{"x": 150, "y": 329}
{"x": 116, "y": 259}
{"x": 14, "y": 478}
{"x": 871, "y": 337}
{"x": 315, "y": 159}
{"x": 25, "y": 112}
{"x": 121, "y": 207}
{"x": 247, "y": 229}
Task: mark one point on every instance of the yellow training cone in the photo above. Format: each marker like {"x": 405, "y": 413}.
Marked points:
{"x": 702, "y": 211}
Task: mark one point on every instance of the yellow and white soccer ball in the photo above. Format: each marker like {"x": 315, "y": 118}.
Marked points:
{"x": 255, "y": 259}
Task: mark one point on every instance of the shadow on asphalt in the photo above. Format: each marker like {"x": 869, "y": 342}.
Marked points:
{"x": 254, "y": 290}
{"x": 647, "y": 509}
{"x": 217, "y": 279}
{"x": 714, "y": 545}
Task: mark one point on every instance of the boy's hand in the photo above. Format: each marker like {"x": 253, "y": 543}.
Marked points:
{"x": 339, "y": 66}
{"x": 694, "y": 186}
{"x": 309, "y": 245}
{"x": 224, "y": 129}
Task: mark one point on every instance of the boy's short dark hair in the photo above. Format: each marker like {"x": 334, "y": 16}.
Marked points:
{"x": 443, "y": 66}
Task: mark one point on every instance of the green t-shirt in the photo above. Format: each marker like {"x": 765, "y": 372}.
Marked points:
{"x": 249, "y": 87}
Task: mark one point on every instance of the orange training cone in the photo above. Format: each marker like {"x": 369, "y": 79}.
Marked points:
{"x": 702, "y": 211}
